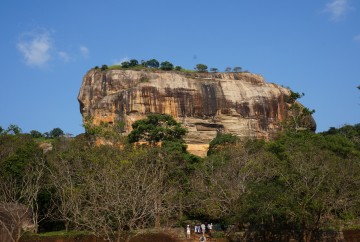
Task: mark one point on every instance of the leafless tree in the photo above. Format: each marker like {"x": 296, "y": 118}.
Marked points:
{"x": 113, "y": 195}
{"x": 222, "y": 181}
{"x": 19, "y": 211}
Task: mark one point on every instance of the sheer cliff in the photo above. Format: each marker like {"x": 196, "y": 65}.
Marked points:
{"x": 205, "y": 103}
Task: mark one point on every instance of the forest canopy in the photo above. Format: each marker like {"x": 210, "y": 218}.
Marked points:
{"x": 297, "y": 184}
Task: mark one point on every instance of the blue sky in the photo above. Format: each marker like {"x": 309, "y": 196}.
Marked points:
{"x": 47, "y": 46}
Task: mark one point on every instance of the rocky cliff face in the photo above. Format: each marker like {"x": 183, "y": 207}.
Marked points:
{"x": 205, "y": 103}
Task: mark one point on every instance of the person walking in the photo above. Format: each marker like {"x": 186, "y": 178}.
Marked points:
{"x": 188, "y": 232}
{"x": 210, "y": 226}
{"x": 203, "y": 229}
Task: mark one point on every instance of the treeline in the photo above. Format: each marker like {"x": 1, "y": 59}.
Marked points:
{"x": 15, "y": 129}
{"x": 296, "y": 185}
{"x": 165, "y": 65}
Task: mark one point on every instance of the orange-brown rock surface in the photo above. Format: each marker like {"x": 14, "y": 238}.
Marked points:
{"x": 205, "y": 103}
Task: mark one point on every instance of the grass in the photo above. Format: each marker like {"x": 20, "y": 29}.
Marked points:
{"x": 44, "y": 140}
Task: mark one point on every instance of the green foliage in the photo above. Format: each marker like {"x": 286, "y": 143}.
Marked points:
{"x": 301, "y": 181}
{"x": 56, "y": 133}
{"x": 351, "y": 132}
{"x": 17, "y": 152}
{"x": 300, "y": 188}
{"x": 228, "y": 69}
{"x": 155, "y": 128}
{"x": 201, "y": 68}
{"x": 104, "y": 67}
{"x": 220, "y": 141}
{"x": 110, "y": 132}
{"x": 166, "y": 66}
{"x": 13, "y": 129}
{"x": 237, "y": 69}
{"x": 212, "y": 69}
{"x": 178, "y": 68}
{"x": 294, "y": 96}
{"x": 133, "y": 63}
{"x": 125, "y": 64}
{"x": 35, "y": 134}
{"x": 1, "y": 130}
{"x": 153, "y": 63}
{"x": 115, "y": 67}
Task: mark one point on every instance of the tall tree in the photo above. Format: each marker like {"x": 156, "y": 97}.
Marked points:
{"x": 21, "y": 173}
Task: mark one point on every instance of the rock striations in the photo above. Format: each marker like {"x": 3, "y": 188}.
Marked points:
{"x": 205, "y": 103}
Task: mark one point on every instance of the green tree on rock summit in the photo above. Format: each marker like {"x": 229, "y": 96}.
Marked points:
{"x": 166, "y": 66}
{"x": 201, "y": 68}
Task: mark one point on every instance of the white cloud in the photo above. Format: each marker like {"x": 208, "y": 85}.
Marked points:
{"x": 35, "y": 47}
{"x": 64, "y": 56}
{"x": 337, "y": 9}
{"x": 84, "y": 51}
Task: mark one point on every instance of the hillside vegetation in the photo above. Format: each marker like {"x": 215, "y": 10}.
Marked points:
{"x": 298, "y": 185}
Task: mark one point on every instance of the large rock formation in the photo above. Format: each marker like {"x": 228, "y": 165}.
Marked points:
{"x": 205, "y": 103}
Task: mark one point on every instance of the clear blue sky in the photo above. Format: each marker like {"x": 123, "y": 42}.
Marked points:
{"x": 47, "y": 46}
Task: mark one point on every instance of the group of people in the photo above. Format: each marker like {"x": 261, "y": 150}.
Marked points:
{"x": 200, "y": 229}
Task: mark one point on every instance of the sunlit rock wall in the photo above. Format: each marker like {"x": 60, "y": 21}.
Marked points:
{"x": 205, "y": 103}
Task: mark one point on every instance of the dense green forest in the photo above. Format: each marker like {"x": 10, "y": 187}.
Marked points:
{"x": 300, "y": 183}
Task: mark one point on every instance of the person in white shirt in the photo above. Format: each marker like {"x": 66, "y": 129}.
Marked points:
{"x": 188, "y": 231}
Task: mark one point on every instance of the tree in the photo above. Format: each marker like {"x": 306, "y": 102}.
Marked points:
{"x": 221, "y": 181}
{"x": 220, "y": 141}
{"x": 125, "y": 64}
{"x": 212, "y": 69}
{"x": 201, "y": 68}
{"x": 166, "y": 65}
{"x": 178, "y": 68}
{"x": 35, "y": 134}
{"x": 307, "y": 185}
{"x": 155, "y": 128}
{"x": 133, "y": 63}
{"x": 300, "y": 117}
{"x": 237, "y": 69}
{"x": 153, "y": 63}
{"x": 228, "y": 69}
{"x": 118, "y": 190}
{"x": 1, "y": 130}
{"x": 21, "y": 178}
{"x": 13, "y": 129}
{"x": 104, "y": 67}
{"x": 56, "y": 133}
